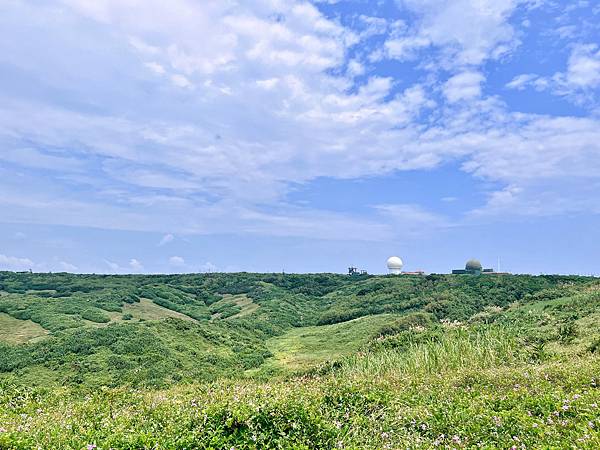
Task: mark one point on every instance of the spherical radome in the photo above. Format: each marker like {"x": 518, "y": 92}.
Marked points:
{"x": 395, "y": 265}
{"x": 473, "y": 264}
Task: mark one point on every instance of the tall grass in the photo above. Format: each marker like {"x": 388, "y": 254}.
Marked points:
{"x": 456, "y": 349}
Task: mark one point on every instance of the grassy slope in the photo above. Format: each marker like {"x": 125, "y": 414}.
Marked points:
{"x": 378, "y": 400}
{"x": 306, "y": 347}
{"x": 521, "y": 367}
{"x": 148, "y": 310}
{"x": 15, "y": 331}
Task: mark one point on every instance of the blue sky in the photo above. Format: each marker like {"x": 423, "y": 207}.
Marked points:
{"x": 269, "y": 135}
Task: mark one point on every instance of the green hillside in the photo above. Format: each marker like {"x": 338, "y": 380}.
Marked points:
{"x": 299, "y": 361}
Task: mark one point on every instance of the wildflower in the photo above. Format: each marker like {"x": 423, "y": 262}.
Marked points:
{"x": 591, "y": 424}
{"x": 423, "y": 426}
{"x": 497, "y": 421}
{"x": 576, "y": 396}
{"x": 91, "y": 446}
{"x": 456, "y": 439}
{"x": 2, "y": 430}
{"x": 565, "y": 407}
{"x": 337, "y": 424}
{"x": 385, "y": 435}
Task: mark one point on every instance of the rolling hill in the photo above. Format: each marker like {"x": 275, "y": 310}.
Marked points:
{"x": 303, "y": 361}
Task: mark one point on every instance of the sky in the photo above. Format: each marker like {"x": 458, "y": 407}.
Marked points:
{"x": 299, "y": 136}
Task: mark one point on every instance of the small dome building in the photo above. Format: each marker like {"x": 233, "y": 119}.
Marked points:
{"x": 473, "y": 265}
{"x": 394, "y": 265}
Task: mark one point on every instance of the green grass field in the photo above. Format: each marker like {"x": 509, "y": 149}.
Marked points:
{"x": 253, "y": 361}
{"x": 306, "y": 347}
{"x": 15, "y": 331}
{"x": 148, "y": 310}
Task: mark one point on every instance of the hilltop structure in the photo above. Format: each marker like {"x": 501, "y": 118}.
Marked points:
{"x": 473, "y": 267}
{"x": 354, "y": 271}
{"x": 394, "y": 265}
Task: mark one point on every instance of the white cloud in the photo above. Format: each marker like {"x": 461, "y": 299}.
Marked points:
{"x": 405, "y": 48}
{"x": 67, "y": 267}
{"x": 412, "y": 220}
{"x": 181, "y": 81}
{"x": 464, "y": 86}
{"x": 577, "y": 82}
{"x": 176, "y": 261}
{"x": 113, "y": 265}
{"x": 156, "y": 68}
{"x": 355, "y": 68}
{"x": 36, "y": 159}
{"x": 373, "y": 26}
{"x": 271, "y": 107}
{"x": 520, "y": 82}
{"x": 467, "y": 32}
{"x": 134, "y": 264}
{"x": 208, "y": 267}
{"x": 166, "y": 239}
{"x": 584, "y": 67}
{"x": 15, "y": 263}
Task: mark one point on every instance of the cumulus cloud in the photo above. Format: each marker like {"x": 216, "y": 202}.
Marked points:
{"x": 583, "y": 69}
{"x": 464, "y": 86}
{"x": 8, "y": 262}
{"x": 134, "y": 264}
{"x": 577, "y": 82}
{"x": 466, "y": 32}
{"x": 242, "y": 101}
{"x": 176, "y": 261}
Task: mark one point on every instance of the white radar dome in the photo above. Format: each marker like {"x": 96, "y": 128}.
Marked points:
{"x": 395, "y": 265}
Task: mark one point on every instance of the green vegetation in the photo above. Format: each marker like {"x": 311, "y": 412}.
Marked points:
{"x": 303, "y": 348}
{"x": 17, "y": 331}
{"x": 298, "y": 361}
